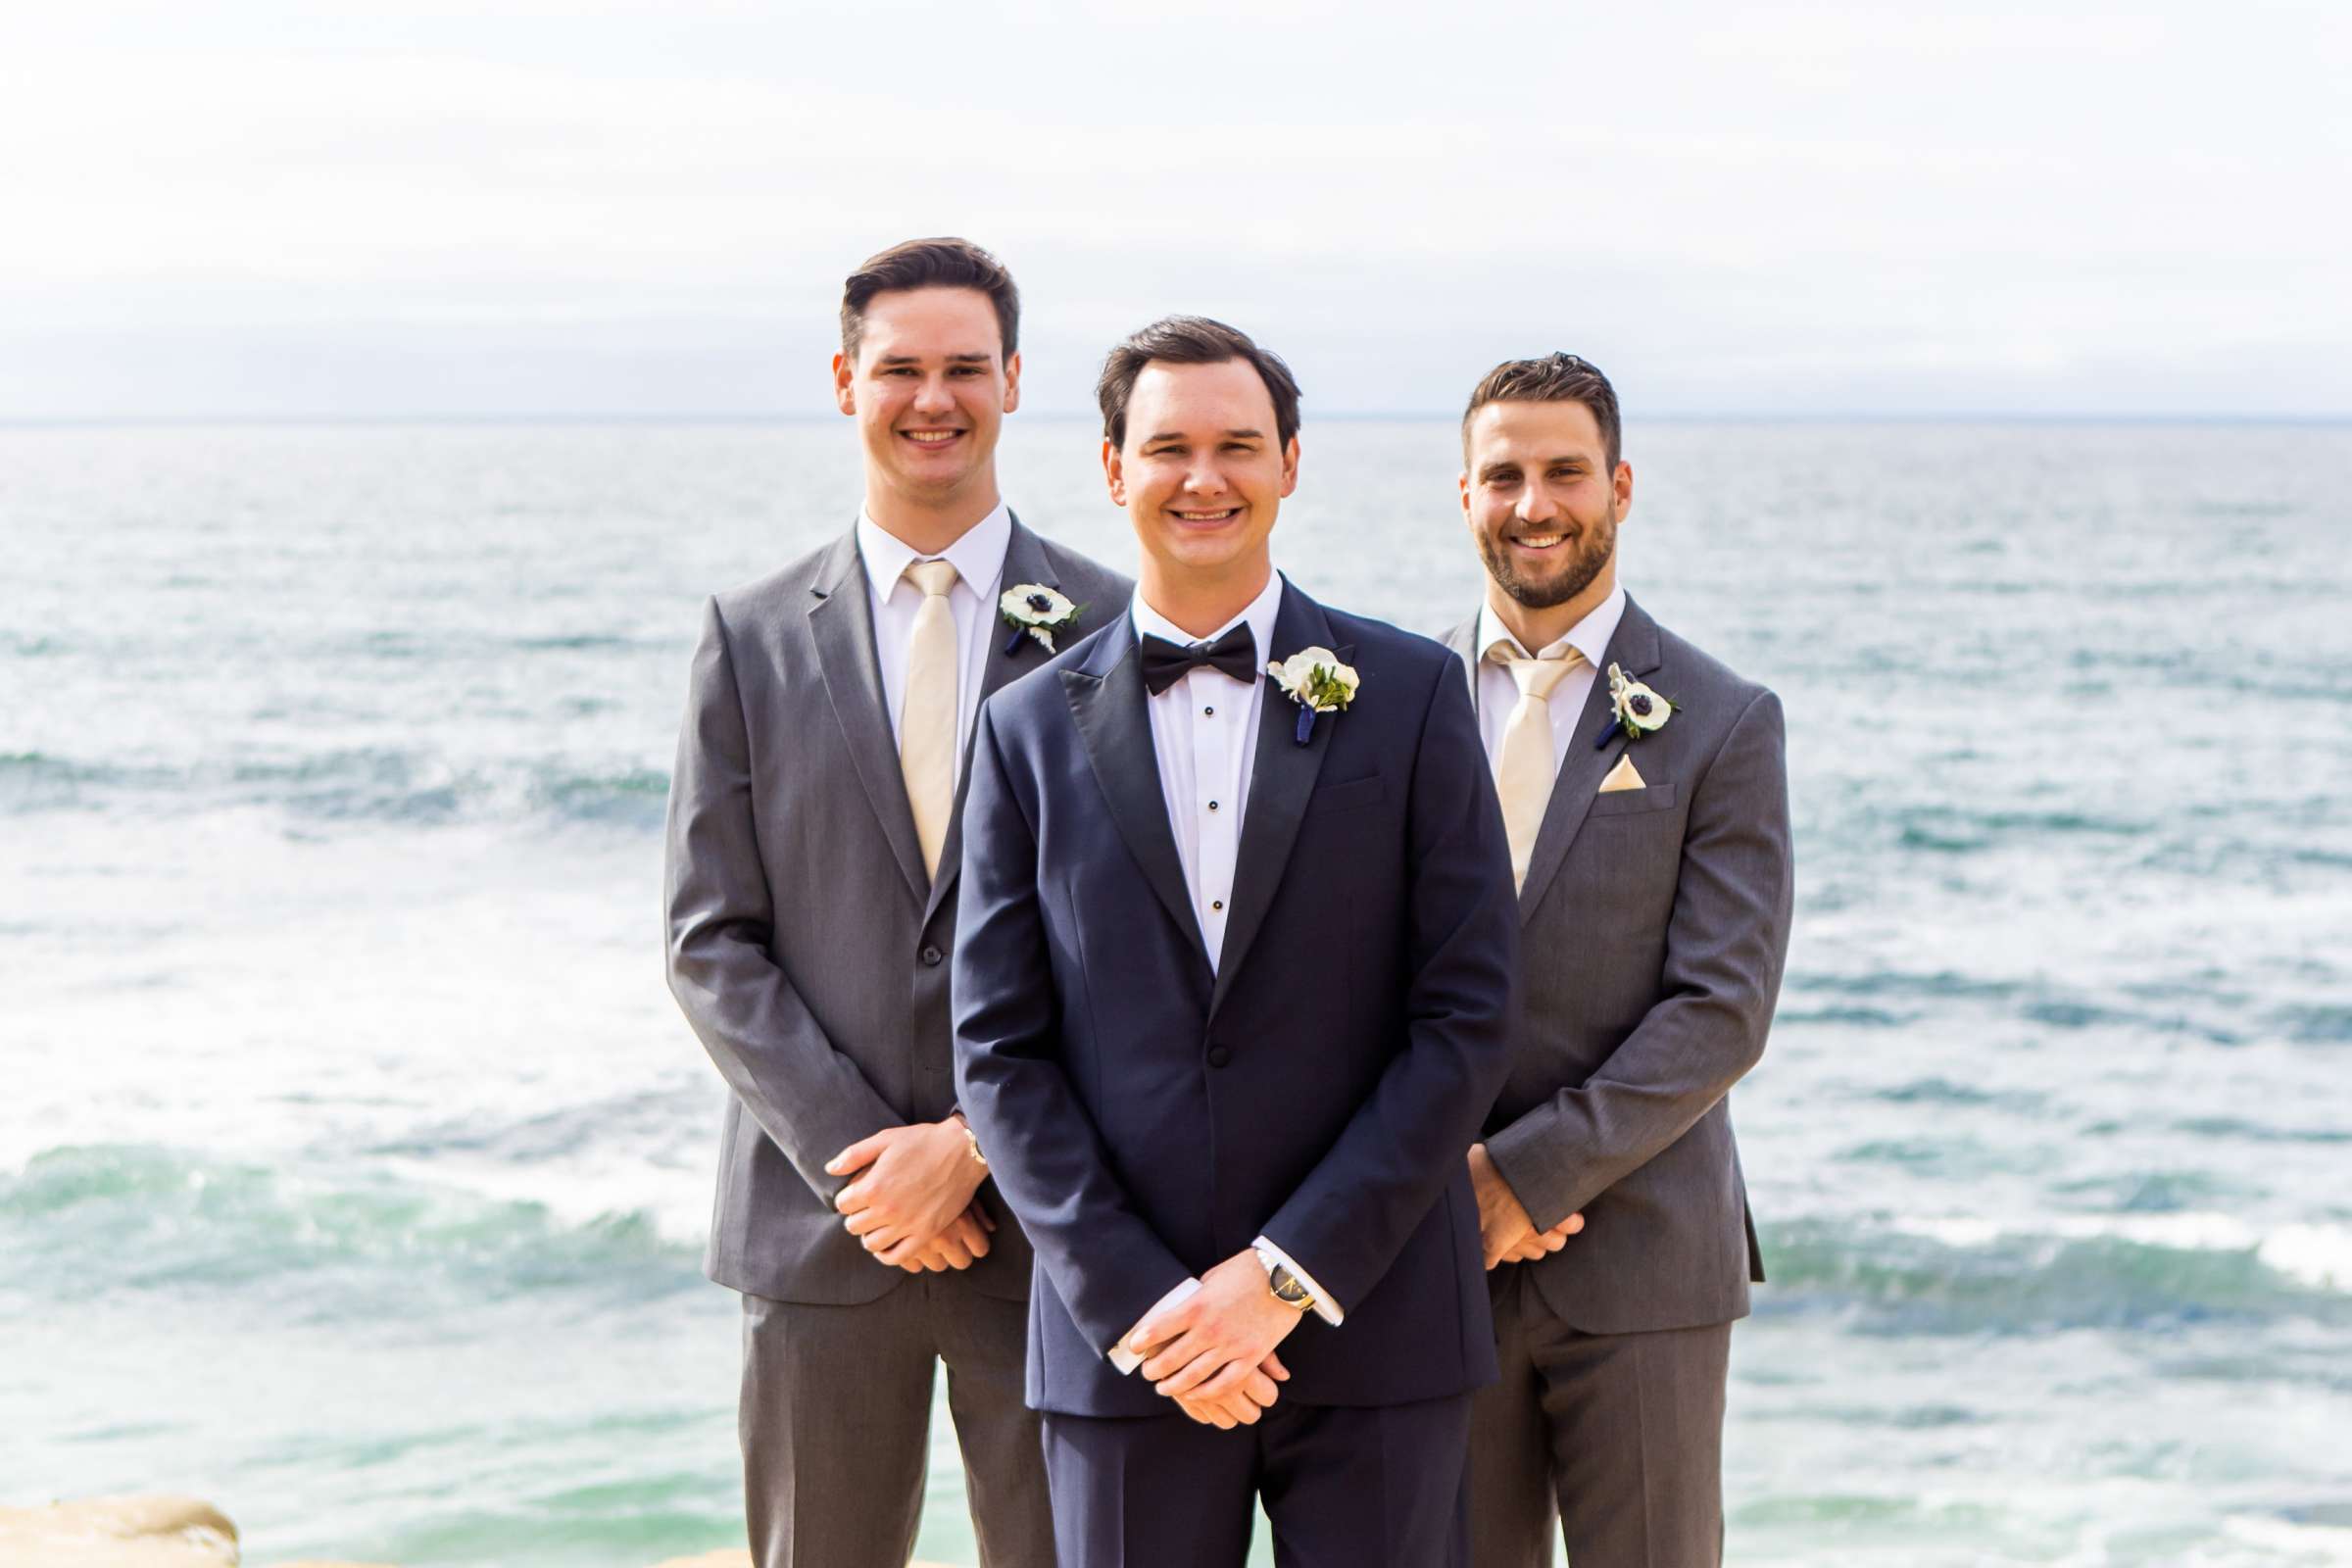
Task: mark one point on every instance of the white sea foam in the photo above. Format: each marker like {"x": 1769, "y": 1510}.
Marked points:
{"x": 2313, "y": 1255}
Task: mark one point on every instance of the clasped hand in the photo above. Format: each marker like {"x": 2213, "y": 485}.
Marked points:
{"x": 1507, "y": 1232}
{"x": 1213, "y": 1352}
{"x": 911, "y": 1205}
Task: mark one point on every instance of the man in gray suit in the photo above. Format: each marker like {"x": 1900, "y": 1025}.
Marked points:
{"x": 1644, "y": 795}
{"x": 812, "y": 853}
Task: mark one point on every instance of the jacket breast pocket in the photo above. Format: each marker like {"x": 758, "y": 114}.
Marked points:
{"x": 1348, "y": 793}
{"x": 1631, "y": 803}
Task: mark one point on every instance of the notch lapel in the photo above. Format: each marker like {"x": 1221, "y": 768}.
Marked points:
{"x": 1634, "y": 647}
{"x": 1106, "y": 699}
{"x": 1282, "y": 777}
{"x": 841, "y": 624}
{"x": 1024, "y": 562}
{"x": 1462, "y": 642}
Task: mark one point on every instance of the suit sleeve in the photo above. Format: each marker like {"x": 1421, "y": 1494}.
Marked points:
{"x": 1726, "y": 941}
{"x": 1106, "y": 1261}
{"x": 807, "y": 1097}
{"x": 1351, "y": 1217}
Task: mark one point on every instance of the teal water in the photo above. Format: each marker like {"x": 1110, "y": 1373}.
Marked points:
{"x": 353, "y": 1159}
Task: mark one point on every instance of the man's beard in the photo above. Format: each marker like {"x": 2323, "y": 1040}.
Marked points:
{"x": 1593, "y": 547}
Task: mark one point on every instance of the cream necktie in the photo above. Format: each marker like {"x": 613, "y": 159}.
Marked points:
{"x": 927, "y": 713}
{"x": 1525, "y": 765}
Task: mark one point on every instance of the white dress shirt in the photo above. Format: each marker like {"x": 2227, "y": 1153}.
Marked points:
{"x": 1498, "y": 693}
{"x": 979, "y": 560}
{"x": 1205, "y": 735}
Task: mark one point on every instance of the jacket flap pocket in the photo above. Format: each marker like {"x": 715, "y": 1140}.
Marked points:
{"x": 1628, "y": 803}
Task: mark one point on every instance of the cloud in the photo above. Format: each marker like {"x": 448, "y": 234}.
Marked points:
{"x": 1748, "y": 208}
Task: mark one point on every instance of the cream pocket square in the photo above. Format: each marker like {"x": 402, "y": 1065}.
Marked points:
{"x": 1624, "y": 776}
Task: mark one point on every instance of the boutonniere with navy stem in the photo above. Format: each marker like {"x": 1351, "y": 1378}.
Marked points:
{"x": 1317, "y": 682}
{"x": 1634, "y": 708}
{"x": 1033, "y": 610}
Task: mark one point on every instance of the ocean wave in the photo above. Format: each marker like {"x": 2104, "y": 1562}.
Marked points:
{"x": 354, "y": 786}
{"x": 1958, "y": 830}
{"x": 1966, "y": 1275}
{"x": 141, "y": 1218}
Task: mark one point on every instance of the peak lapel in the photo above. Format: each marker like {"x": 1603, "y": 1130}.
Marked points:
{"x": 1282, "y": 775}
{"x": 1634, "y": 647}
{"x": 1024, "y": 562}
{"x": 841, "y": 624}
{"x": 1106, "y": 701}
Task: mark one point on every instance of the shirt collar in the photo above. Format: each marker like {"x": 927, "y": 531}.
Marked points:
{"x": 979, "y": 557}
{"x": 1259, "y": 614}
{"x": 1588, "y": 636}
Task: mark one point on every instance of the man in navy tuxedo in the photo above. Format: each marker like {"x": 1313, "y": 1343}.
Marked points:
{"x": 1237, "y": 955}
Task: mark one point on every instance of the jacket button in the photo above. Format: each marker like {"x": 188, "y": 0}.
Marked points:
{"x": 933, "y": 958}
{"x": 1218, "y": 1055}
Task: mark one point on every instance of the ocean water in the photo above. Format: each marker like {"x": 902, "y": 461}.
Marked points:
{"x": 354, "y": 1160}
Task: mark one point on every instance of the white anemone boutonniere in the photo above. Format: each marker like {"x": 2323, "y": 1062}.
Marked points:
{"x": 1317, "y": 682}
{"x": 1033, "y": 610}
{"x": 1634, "y": 708}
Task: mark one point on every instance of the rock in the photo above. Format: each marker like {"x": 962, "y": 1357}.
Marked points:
{"x": 119, "y": 1533}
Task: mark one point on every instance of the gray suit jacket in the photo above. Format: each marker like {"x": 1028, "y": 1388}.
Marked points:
{"x": 805, "y": 942}
{"x": 1654, "y": 923}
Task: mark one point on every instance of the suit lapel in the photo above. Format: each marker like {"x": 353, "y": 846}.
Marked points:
{"x": 1282, "y": 777}
{"x": 1106, "y": 701}
{"x": 1024, "y": 562}
{"x": 1634, "y": 647}
{"x": 1462, "y": 641}
{"x": 841, "y": 624}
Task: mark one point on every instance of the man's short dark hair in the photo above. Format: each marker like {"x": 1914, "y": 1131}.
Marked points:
{"x": 945, "y": 262}
{"x": 1553, "y": 379}
{"x": 1191, "y": 341}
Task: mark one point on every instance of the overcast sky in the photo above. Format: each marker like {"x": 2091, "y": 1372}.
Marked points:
{"x": 499, "y": 207}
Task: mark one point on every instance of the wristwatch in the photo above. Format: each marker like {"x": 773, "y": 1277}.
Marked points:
{"x": 972, "y": 1139}
{"x": 1285, "y": 1287}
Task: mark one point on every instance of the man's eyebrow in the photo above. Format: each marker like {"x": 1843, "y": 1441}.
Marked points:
{"x": 1230, "y": 435}
{"x": 1494, "y": 466}
{"x": 952, "y": 358}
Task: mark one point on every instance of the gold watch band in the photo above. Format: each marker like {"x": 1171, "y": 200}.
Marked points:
{"x": 971, "y": 1140}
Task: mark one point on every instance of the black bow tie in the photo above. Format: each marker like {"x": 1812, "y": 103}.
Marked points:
{"x": 1166, "y": 663}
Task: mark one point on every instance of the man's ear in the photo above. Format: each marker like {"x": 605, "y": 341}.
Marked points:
{"x": 845, "y": 383}
{"x": 1622, "y": 481}
{"x": 1290, "y": 466}
{"x": 1013, "y": 383}
{"x": 1113, "y": 473}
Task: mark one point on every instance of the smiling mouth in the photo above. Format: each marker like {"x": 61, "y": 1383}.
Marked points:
{"x": 1540, "y": 541}
{"x": 931, "y": 438}
{"x": 1206, "y": 519}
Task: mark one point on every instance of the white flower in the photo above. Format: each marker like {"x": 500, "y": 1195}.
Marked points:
{"x": 1638, "y": 708}
{"x": 1036, "y": 610}
{"x": 1315, "y": 678}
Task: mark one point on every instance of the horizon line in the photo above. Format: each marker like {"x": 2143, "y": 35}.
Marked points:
{"x": 1359, "y": 417}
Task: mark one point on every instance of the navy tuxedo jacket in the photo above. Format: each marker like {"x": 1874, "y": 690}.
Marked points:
{"x": 1147, "y": 1120}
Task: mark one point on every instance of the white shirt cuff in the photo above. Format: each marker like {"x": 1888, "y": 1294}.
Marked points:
{"x": 1122, "y": 1359}
{"x": 1325, "y": 1307}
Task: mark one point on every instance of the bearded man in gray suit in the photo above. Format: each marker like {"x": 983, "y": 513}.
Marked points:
{"x": 813, "y": 855}
{"x": 1644, "y": 795}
